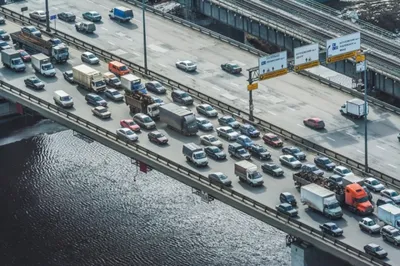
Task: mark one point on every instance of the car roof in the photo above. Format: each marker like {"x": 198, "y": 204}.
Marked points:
{"x": 209, "y": 135}
{"x": 178, "y": 91}
{"x": 373, "y": 245}
{"x": 322, "y": 157}
{"x": 366, "y": 219}
{"x": 92, "y": 94}
{"x": 187, "y": 61}
{"x": 287, "y": 193}
{"x": 218, "y": 173}
{"x": 112, "y": 90}
{"x": 309, "y": 164}
{"x": 33, "y": 77}
{"x": 315, "y": 119}
{"x": 225, "y": 127}
{"x": 87, "y": 53}
{"x": 385, "y": 199}
{"x": 370, "y": 178}
{"x": 285, "y": 204}
{"x": 243, "y": 137}
{"x": 227, "y": 116}
{"x": 124, "y": 129}
{"x": 69, "y": 71}
{"x": 154, "y": 82}
{"x": 389, "y": 190}
{"x": 204, "y": 104}
{"x": 200, "y": 118}
{"x": 100, "y": 107}
{"x": 341, "y": 167}
{"x": 390, "y": 228}
{"x": 140, "y": 115}
{"x": 271, "y": 135}
{"x": 330, "y": 223}
{"x": 30, "y": 27}
{"x": 155, "y": 132}
{"x": 287, "y": 156}
{"x": 270, "y": 164}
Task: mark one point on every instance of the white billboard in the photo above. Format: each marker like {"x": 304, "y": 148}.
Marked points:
{"x": 343, "y": 44}
{"x": 306, "y": 54}
{"x": 272, "y": 63}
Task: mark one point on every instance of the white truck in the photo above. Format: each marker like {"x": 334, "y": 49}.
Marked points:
{"x": 195, "y": 154}
{"x": 354, "y": 108}
{"x": 322, "y": 200}
{"x": 88, "y": 78}
{"x": 389, "y": 214}
{"x": 121, "y": 14}
{"x": 248, "y": 172}
{"x": 133, "y": 83}
{"x": 41, "y": 63}
{"x": 12, "y": 59}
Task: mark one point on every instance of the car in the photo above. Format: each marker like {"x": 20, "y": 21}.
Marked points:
{"x": 220, "y": 178}
{"x": 249, "y": 130}
{"x": 368, "y": 225}
{"x": 56, "y": 41}
{"x": 375, "y": 250}
{"x": 34, "y": 83}
{"x": 229, "y": 121}
{"x": 207, "y": 110}
{"x": 331, "y": 229}
{"x": 245, "y": 141}
{"x": 92, "y": 16}
{"x": 181, "y": 97}
{"x": 31, "y": 30}
{"x": 157, "y": 100}
{"x": 391, "y": 234}
{"x": 4, "y": 35}
{"x": 114, "y": 95}
{"x": 227, "y": 133}
{"x": 69, "y": 76}
{"x": 157, "y": 137}
{"x": 383, "y": 201}
{"x": 286, "y": 209}
{"x": 2, "y": 20}
{"x": 398, "y": 137}
{"x": 186, "y": 65}
{"x": 129, "y": 123}
{"x": 38, "y": 15}
{"x": 210, "y": 140}
{"x": 94, "y": 99}
{"x": 290, "y": 161}
{"x": 85, "y": 27}
{"x": 295, "y": 152}
{"x": 259, "y": 151}
{"x": 215, "y": 152}
{"x": 66, "y": 16}
{"x": 312, "y": 168}
{"x": 231, "y": 68}
{"x": 126, "y": 134}
{"x": 336, "y": 180}
{"x": 90, "y": 58}
{"x": 342, "y": 171}
{"x": 373, "y": 184}
{"x": 204, "y": 124}
{"x": 391, "y": 194}
{"x": 272, "y": 169}
{"x": 272, "y": 140}
{"x": 315, "y": 123}
{"x": 156, "y": 87}
{"x": 324, "y": 163}
{"x": 4, "y": 45}
{"x": 238, "y": 151}
{"x": 144, "y": 121}
{"x": 24, "y": 56}
{"x": 101, "y": 111}
{"x": 287, "y": 197}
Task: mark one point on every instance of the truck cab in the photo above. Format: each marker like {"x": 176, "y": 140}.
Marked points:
{"x": 248, "y": 172}
{"x": 238, "y": 151}
{"x": 12, "y": 59}
{"x": 195, "y": 154}
{"x": 60, "y": 53}
{"x": 142, "y": 103}
{"x": 42, "y": 64}
{"x": 357, "y": 200}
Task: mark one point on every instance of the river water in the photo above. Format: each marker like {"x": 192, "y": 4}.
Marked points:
{"x": 64, "y": 201}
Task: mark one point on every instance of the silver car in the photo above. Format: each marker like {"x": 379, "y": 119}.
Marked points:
{"x": 101, "y": 111}
{"x": 126, "y": 134}
{"x": 290, "y": 161}
{"x": 89, "y": 58}
{"x": 210, "y": 140}
{"x": 38, "y": 14}
{"x": 368, "y": 225}
{"x": 373, "y": 184}
{"x": 207, "y": 110}
{"x": 114, "y": 95}
{"x": 342, "y": 171}
{"x": 186, "y": 65}
{"x": 227, "y": 133}
{"x": 144, "y": 121}
{"x": 391, "y": 194}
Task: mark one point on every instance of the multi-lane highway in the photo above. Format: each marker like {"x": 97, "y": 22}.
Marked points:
{"x": 267, "y": 194}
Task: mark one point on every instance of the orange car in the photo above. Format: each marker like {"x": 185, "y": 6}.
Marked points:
{"x": 118, "y": 68}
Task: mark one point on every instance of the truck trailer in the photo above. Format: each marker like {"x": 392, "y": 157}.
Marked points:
{"x": 12, "y": 59}
{"x": 142, "y": 103}
{"x": 89, "y": 78}
{"x": 41, "y": 63}
{"x": 354, "y": 108}
{"x": 121, "y": 13}
{"x": 389, "y": 214}
{"x": 179, "y": 119}
{"x": 248, "y": 173}
{"x": 195, "y": 154}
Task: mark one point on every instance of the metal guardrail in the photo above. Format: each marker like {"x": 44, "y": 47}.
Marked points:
{"x": 192, "y": 174}
{"x": 224, "y": 107}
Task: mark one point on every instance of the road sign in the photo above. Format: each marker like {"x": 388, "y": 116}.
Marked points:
{"x": 53, "y": 17}
{"x": 343, "y": 47}
{"x": 252, "y": 87}
{"x": 306, "y": 56}
{"x": 25, "y": 8}
{"x": 361, "y": 66}
{"x": 272, "y": 65}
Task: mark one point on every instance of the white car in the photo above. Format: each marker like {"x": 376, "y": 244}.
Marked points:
{"x": 207, "y": 110}
{"x": 227, "y": 133}
{"x": 210, "y": 140}
{"x": 102, "y": 112}
{"x": 186, "y": 65}
{"x": 342, "y": 171}
{"x": 38, "y": 14}
{"x": 127, "y": 134}
{"x": 114, "y": 95}
{"x": 373, "y": 184}
{"x": 368, "y": 225}
{"x": 290, "y": 161}
{"x": 90, "y": 58}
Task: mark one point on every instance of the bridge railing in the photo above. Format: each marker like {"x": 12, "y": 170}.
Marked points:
{"x": 224, "y": 107}
{"x": 251, "y": 203}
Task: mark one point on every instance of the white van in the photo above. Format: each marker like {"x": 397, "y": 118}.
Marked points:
{"x": 63, "y": 99}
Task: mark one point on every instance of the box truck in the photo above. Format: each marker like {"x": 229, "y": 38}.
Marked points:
{"x": 179, "y": 119}
{"x": 41, "y": 63}
{"x": 88, "y": 78}
{"x": 354, "y": 108}
{"x": 195, "y": 154}
{"x": 12, "y": 59}
{"x": 121, "y": 14}
{"x": 389, "y": 214}
{"x": 248, "y": 173}
{"x": 133, "y": 83}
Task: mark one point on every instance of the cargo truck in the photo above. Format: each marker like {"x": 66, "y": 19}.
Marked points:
{"x": 142, "y": 103}
{"x": 179, "y": 119}
{"x": 12, "y": 59}
{"x": 195, "y": 154}
{"x": 133, "y": 83}
{"x": 88, "y": 78}
{"x": 248, "y": 173}
{"x": 322, "y": 200}
{"x": 34, "y": 44}
{"x": 352, "y": 179}
{"x": 112, "y": 80}
{"x": 389, "y": 214}
{"x": 121, "y": 14}
{"x": 41, "y": 63}
{"x": 354, "y": 108}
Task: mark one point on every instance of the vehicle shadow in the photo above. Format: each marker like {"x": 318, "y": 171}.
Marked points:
{"x": 126, "y": 25}
{"x": 91, "y": 35}
{"x": 255, "y": 190}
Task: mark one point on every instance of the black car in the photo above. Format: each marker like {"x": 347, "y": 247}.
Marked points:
{"x": 324, "y": 163}
{"x": 4, "y": 35}
{"x": 66, "y": 16}
{"x": 215, "y": 153}
{"x": 220, "y": 178}
{"x": 272, "y": 169}
{"x": 286, "y": 197}
{"x": 287, "y": 209}
{"x": 231, "y": 68}
{"x": 383, "y": 201}
{"x": 156, "y": 87}
{"x": 331, "y": 229}
{"x": 34, "y": 82}
{"x": 259, "y": 151}
{"x": 69, "y": 76}
{"x": 295, "y": 152}
{"x": 375, "y": 250}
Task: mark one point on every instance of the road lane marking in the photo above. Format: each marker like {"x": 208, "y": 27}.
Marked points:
{"x": 216, "y": 88}
{"x": 330, "y": 138}
{"x": 105, "y": 7}
{"x": 391, "y": 165}
{"x": 301, "y": 126}
{"x": 111, "y": 43}
{"x": 360, "y": 151}
{"x": 55, "y": 8}
{"x": 234, "y": 84}
{"x": 90, "y": 1}
{"x": 164, "y": 66}
{"x": 292, "y": 109}
{"x": 271, "y": 113}
{"x": 129, "y": 39}
{"x": 379, "y": 147}
{"x": 351, "y": 134}
{"x": 104, "y": 29}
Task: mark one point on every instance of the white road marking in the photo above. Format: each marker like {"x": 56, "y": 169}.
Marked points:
{"x": 104, "y": 29}
{"x": 234, "y": 84}
{"x": 301, "y": 126}
{"x": 137, "y": 20}
{"x": 164, "y": 66}
{"x": 137, "y": 54}
{"x": 105, "y": 7}
{"x": 360, "y": 151}
{"x": 391, "y": 165}
{"x": 129, "y": 39}
{"x": 271, "y": 113}
{"x": 379, "y": 147}
{"x": 351, "y": 134}
{"x": 330, "y": 138}
{"x": 216, "y": 88}
{"x": 111, "y": 43}
{"x": 292, "y": 109}
{"x": 90, "y": 1}
{"x": 55, "y": 8}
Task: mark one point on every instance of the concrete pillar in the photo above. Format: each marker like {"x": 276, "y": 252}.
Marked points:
{"x": 307, "y": 255}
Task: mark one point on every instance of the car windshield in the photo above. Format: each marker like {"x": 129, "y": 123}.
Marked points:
{"x": 97, "y": 98}
{"x": 230, "y": 120}
{"x": 215, "y": 149}
{"x": 114, "y": 80}
{"x": 334, "y": 226}
{"x": 274, "y": 167}
{"x": 69, "y": 74}
{"x": 202, "y": 121}
{"x": 199, "y": 155}
{"x": 99, "y": 83}
{"x": 251, "y": 128}
{"x": 129, "y": 132}
{"x": 274, "y": 139}
{"x": 371, "y": 222}
{"x": 289, "y": 197}
{"x": 147, "y": 119}
{"x": 375, "y": 182}
{"x": 394, "y": 194}
{"x": 131, "y": 123}
{"x": 337, "y": 179}
{"x": 2, "y": 32}
{"x": 157, "y": 85}
{"x": 208, "y": 108}
{"x": 102, "y": 110}
{"x": 261, "y": 149}
{"x": 3, "y": 44}
{"x": 296, "y": 150}
{"x": 65, "y": 98}
{"x": 158, "y": 135}
{"x": 56, "y": 41}
{"x": 157, "y": 100}
{"x": 94, "y": 14}
{"x": 255, "y": 175}
{"x": 48, "y": 67}
{"x": 41, "y": 13}
{"x": 313, "y": 168}
{"x": 242, "y": 151}
{"x": 247, "y": 140}
{"x": 287, "y": 207}
{"x": 91, "y": 56}
{"x": 396, "y": 233}
{"x": 234, "y": 66}
{"x": 115, "y": 93}
{"x": 291, "y": 159}
{"x": 190, "y": 64}
{"x": 378, "y": 248}
{"x": 213, "y": 139}
{"x": 346, "y": 171}
{"x": 333, "y": 205}
{"x": 230, "y": 130}
{"x": 123, "y": 68}
{"x": 222, "y": 177}
{"x": 35, "y": 81}
{"x": 32, "y": 29}
{"x": 23, "y": 53}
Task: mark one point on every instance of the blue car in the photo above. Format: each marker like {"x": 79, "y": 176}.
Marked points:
{"x": 245, "y": 141}
{"x": 94, "y": 99}
{"x": 204, "y": 124}
{"x": 249, "y": 131}
{"x": 324, "y": 163}
{"x": 228, "y": 120}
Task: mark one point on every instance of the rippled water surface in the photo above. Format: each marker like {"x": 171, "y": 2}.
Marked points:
{"x": 67, "y": 202}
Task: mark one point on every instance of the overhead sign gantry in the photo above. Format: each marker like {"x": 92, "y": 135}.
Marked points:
{"x": 343, "y": 47}
{"x": 306, "y": 57}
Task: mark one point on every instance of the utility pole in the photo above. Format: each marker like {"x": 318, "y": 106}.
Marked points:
{"x": 365, "y": 117}
{"x": 144, "y": 35}
{"x": 251, "y": 105}
{"x": 47, "y": 17}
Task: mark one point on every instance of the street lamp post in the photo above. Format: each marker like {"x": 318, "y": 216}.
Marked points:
{"x": 365, "y": 117}
{"x": 144, "y": 35}
{"x": 47, "y": 16}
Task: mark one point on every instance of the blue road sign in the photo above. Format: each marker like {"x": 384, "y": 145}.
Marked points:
{"x": 53, "y": 17}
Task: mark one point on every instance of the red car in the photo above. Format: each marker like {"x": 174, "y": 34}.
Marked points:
{"x": 314, "y": 122}
{"x": 157, "y": 137}
{"x": 129, "y": 123}
{"x": 272, "y": 140}
{"x": 24, "y": 56}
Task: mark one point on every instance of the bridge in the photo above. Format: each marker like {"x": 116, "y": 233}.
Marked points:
{"x": 266, "y": 198}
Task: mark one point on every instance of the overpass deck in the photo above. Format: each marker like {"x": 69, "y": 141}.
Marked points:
{"x": 283, "y": 101}
{"x": 267, "y": 194}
